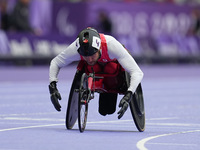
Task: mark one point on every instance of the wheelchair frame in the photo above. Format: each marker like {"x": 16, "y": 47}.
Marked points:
{"x": 82, "y": 91}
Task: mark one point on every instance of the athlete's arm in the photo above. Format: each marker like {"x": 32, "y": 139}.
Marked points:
{"x": 116, "y": 50}
{"x": 69, "y": 55}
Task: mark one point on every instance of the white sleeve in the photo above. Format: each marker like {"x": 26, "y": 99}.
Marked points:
{"x": 116, "y": 50}
{"x": 67, "y": 56}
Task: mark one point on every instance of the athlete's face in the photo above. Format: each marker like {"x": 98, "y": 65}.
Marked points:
{"x": 91, "y": 60}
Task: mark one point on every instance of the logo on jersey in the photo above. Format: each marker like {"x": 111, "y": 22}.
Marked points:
{"x": 105, "y": 60}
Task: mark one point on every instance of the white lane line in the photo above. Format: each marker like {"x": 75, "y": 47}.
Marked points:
{"x": 32, "y": 119}
{"x": 141, "y": 144}
{"x": 100, "y": 122}
{"x": 173, "y": 124}
{"x": 48, "y": 125}
{"x": 28, "y": 127}
{"x": 7, "y": 149}
{"x": 173, "y": 144}
{"x": 28, "y": 114}
{"x": 162, "y": 118}
{"x": 55, "y": 119}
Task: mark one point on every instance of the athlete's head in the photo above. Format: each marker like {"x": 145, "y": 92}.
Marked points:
{"x": 89, "y": 43}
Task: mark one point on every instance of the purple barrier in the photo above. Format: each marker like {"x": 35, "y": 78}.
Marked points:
{"x": 41, "y": 15}
{"x": 28, "y": 45}
{"x": 140, "y": 19}
{"x": 146, "y": 29}
{"x": 137, "y": 25}
{"x": 23, "y": 45}
{"x": 4, "y": 44}
{"x": 144, "y": 18}
{"x": 140, "y": 25}
{"x": 69, "y": 18}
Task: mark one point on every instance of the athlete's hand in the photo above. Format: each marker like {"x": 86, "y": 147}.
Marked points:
{"x": 124, "y": 103}
{"x": 55, "y": 95}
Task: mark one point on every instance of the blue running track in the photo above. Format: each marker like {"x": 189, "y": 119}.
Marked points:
{"x": 28, "y": 120}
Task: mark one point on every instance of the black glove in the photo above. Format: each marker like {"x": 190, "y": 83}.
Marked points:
{"x": 124, "y": 103}
{"x": 55, "y": 95}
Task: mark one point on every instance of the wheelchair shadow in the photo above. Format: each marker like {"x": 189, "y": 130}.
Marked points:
{"x": 108, "y": 130}
{"x": 105, "y": 130}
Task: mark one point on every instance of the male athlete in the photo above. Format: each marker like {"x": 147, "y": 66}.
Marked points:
{"x": 104, "y": 54}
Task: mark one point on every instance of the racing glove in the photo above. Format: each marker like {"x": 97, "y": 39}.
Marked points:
{"x": 124, "y": 103}
{"x": 55, "y": 95}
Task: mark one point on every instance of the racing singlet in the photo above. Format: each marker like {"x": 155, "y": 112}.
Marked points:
{"x": 104, "y": 51}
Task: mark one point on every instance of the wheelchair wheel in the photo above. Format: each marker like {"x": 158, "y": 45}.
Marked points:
{"x": 137, "y": 109}
{"x": 83, "y": 103}
{"x": 72, "y": 108}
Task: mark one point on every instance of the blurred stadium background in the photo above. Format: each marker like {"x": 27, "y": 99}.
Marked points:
{"x": 155, "y": 31}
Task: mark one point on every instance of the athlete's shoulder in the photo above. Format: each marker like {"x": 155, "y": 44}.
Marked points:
{"x": 110, "y": 39}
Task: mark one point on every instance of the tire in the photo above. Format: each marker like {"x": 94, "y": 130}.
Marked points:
{"x": 72, "y": 108}
{"x": 83, "y": 103}
{"x": 137, "y": 109}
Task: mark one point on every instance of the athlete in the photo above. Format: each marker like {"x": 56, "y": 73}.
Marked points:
{"x": 100, "y": 53}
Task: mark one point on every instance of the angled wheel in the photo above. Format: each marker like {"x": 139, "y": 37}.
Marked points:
{"x": 83, "y": 103}
{"x": 137, "y": 109}
{"x": 72, "y": 108}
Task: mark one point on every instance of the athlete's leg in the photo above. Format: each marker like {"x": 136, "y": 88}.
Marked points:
{"x": 107, "y": 103}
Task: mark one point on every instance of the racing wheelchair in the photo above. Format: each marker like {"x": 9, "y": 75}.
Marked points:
{"x": 84, "y": 86}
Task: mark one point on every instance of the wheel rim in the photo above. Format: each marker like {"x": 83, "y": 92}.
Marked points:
{"x": 83, "y": 115}
{"x": 72, "y": 113}
{"x": 83, "y": 105}
{"x": 72, "y": 108}
{"x": 137, "y": 109}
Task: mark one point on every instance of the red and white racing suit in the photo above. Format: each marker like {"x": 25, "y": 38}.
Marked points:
{"x": 113, "y": 56}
